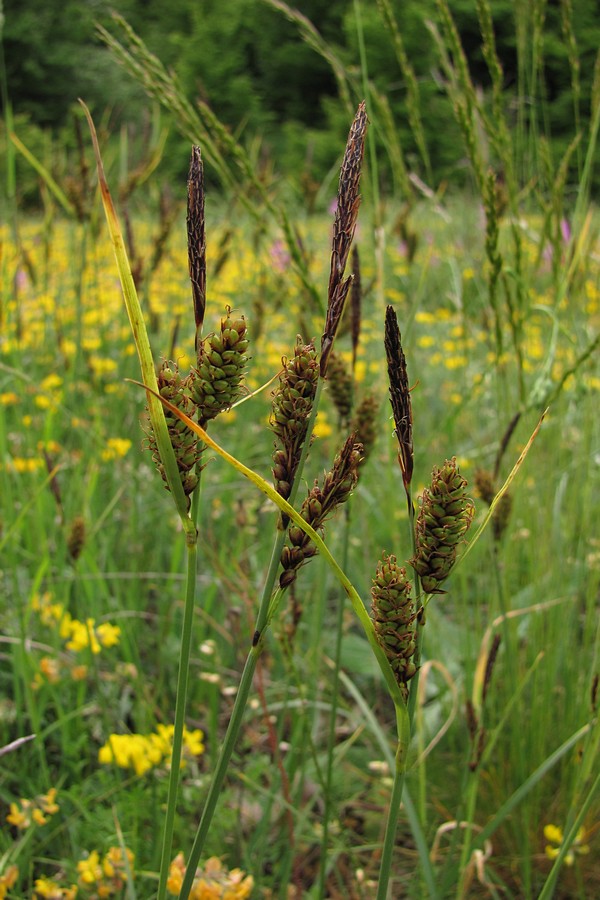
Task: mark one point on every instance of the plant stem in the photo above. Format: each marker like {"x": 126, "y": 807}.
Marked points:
{"x": 403, "y": 729}
{"x": 221, "y": 770}
{"x": 180, "y": 705}
{"x": 333, "y": 715}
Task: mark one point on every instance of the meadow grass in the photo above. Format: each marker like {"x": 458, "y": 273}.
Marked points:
{"x": 93, "y": 585}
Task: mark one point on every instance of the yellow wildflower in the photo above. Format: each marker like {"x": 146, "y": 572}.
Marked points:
{"x": 116, "y": 448}
{"x": 48, "y": 802}
{"x": 19, "y": 816}
{"x": 90, "y": 870}
{"x": 555, "y": 835}
{"x": 212, "y": 882}
{"x": 108, "y": 634}
{"x": 8, "y": 880}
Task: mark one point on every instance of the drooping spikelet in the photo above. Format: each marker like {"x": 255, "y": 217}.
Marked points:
{"x": 364, "y": 423}
{"x": 339, "y": 380}
{"x": 444, "y": 517}
{"x": 172, "y": 387}
{"x": 215, "y": 382}
{"x": 292, "y": 405}
{"x": 394, "y": 619}
{"x": 338, "y": 484}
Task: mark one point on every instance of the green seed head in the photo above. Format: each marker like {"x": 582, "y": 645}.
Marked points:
{"x": 172, "y": 387}
{"x": 215, "y": 383}
{"x": 444, "y": 518}
{"x": 292, "y": 405}
{"x": 394, "y": 619}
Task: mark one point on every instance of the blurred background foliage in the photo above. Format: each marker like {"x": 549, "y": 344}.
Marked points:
{"x": 250, "y": 63}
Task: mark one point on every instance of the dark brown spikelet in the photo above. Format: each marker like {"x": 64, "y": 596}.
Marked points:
{"x": 196, "y": 238}
{"x": 340, "y": 384}
{"x": 214, "y": 384}
{"x": 321, "y": 502}
{"x": 444, "y": 518}
{"x": 484, "y": 485}
{"x": 399, "y": 394}
{"x": 486, "y": 489}
{"x": 355, "y": 304}
{"x": 364, "y": 424}
{"x": 76, "y": 537}
{"x": 394, "y": 619}
{"x": 172, "y": 387}
{"x": 344, "y": 226}
{"x": 292, "y": 405}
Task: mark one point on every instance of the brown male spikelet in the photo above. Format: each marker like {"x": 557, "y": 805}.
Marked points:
{"x": 444, "y": 517}
{"x": 76, "y": 537}
{"x": 197, "y": 238}
{"x": 344, "y": 227}
{"x": 321, "y": 502}
{"x": 399, "y": 395}
{"x": 215, "y": 383}
{"x": 172, "y": 386}
{"x": 394, "y": 619}
{"x": 340, "y": 386}
{"x": 292, "y": 405}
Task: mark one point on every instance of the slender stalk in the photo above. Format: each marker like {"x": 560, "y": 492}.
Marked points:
{"x": 180, "y": 706}
{"x": 223, "y": 762}
{"x": 333, "y": 716}
{"x": 403, "y": 729}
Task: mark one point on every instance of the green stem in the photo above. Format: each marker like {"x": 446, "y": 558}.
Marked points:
{"x": 333, "y": 716}
{"x": 180, "y": 706}
{"x": 403, "y": 728}
{"x": 221, "y": 770}
{"x": 265, "y": 611}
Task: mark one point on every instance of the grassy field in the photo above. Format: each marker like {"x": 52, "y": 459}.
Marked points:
{"x": 504, "y": 749}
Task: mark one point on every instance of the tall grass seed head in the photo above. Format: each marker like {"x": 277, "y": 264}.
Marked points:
{"x": 445, "y": 515}
{"x": 215, "y": 383}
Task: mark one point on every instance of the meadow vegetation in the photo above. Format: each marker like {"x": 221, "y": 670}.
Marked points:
{"x": 125, "y": 643}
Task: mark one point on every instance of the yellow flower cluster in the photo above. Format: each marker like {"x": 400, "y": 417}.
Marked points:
{"x": 105, "y": 878}
{"x": 142, "y": 752}
{"x": 46, "y": 889}
{"x": 212, "y": 882}
{"x": 116, "y": 448}
{"x": 8, "y": 880}
{"x": 98, "y": 878}
{"x": 37, "y": 811}
{"x": 77, "y": 635}
{"x": 555, "y": 836}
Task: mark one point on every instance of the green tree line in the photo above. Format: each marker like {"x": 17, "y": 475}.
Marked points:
{"x": 252, "y": 65}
